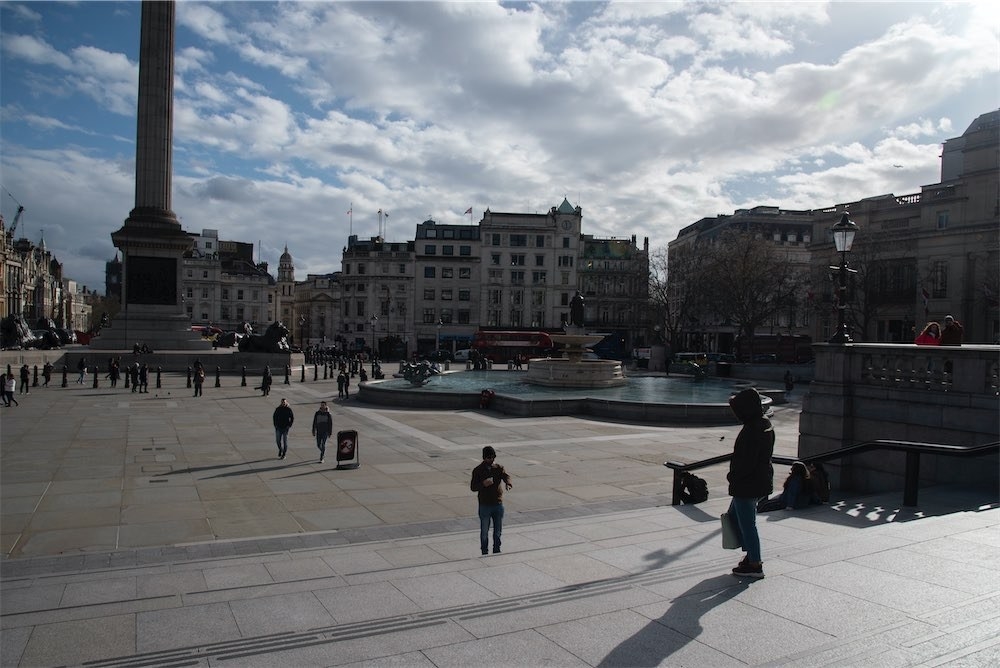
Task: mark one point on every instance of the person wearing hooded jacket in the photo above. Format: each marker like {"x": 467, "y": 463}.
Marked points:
{"x": 751, "y": 476}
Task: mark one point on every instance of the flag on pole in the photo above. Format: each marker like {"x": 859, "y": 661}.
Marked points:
{"x": 350, "y": 211}
{"x": 469, "y": 210}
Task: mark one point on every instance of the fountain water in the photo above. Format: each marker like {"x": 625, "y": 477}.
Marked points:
{"x": 572, "y": 371}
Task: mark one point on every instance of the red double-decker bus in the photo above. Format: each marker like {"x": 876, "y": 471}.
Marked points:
{"x": 505, "y": 345}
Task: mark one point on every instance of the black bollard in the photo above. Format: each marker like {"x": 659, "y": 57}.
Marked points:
{"x": 159, "y": 371}
{"x": 189, "y": 377}
{"x": 34, "y": 381}
{"x": 324, "y": 372}
{"x": 95, "y": 376}
{"x": 127, "y": 374}
{"x": 315, "y": 372}
{"x": 243, "y": 381}
{"x": 288, "y": 373}
{"x": 65, "y": 382}
{"x": 303, "y": 379}
{"x": 218, "y": 380}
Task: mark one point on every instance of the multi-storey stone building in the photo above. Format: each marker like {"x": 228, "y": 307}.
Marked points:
{"x": 221, "y": 285}
{"x": 32, "y": 280}
{"x": 920, "y": 256}
{"x": 447, "y": 285}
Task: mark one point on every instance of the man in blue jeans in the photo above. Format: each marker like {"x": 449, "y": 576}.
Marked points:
{"x": 488, "y": 481}
{"x": 750, "y": 476}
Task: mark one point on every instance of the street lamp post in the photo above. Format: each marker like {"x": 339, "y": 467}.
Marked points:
{"x": 302, "y": 331}
{"x": 843, "y": 239}
{"x": 374, "y": 322}
{"x": 437, "y": 338}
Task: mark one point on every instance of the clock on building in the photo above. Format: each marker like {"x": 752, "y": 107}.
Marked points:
{"x": 566, "y": 225}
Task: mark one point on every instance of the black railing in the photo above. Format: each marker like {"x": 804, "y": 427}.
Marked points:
{"x": 911, "y": 476}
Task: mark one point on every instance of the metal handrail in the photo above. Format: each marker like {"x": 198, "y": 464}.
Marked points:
{"x": 911, "y": 479}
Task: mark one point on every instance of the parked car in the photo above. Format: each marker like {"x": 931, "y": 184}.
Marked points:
{"x": 440, "y": 356}
{"x": 462, "y": 355}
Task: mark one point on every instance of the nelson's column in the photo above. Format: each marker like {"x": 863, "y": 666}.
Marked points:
{"x": 151, "y": 240}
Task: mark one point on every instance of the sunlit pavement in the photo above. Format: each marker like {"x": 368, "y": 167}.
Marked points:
{"x": 161, "y": 529}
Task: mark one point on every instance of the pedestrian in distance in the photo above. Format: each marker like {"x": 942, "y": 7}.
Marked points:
{"x": 341, "y": 377}
{"x": 81, "y": 366}
{"x": 322, "y": 429}
{"x": 750, "y": 476}
{"x": 144, "y": 378}
{"x": 47, "y": 373}
{"x": 9, "y": 385}
{"x": 930, "y": 335}
{"x": 283, "y": 419}
{"x": 489, "y": 480}
{"x": 199, "y": 378}
{"x": 951, "y": 335}
{"x": 25, "y": 379}
{"x": 133, "y": 374}
{"x": 347, "y": 385}
{"x": 266, "y": 380}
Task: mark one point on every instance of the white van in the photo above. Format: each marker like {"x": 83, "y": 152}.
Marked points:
{"x": 462, "y": 355}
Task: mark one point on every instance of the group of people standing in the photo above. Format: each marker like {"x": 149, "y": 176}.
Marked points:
{"x": 934, "y": 335}
{"x": 136, "y": 374}
{"x": 9, "y": 382}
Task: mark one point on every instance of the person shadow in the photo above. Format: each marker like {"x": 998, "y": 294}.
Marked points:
{"x": 678, "y": 626}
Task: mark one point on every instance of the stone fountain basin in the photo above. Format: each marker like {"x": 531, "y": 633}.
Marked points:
{"x": 570, "y": 373}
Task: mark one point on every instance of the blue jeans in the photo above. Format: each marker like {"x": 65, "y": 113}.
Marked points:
{"x": 744, "y": 511}
{"x": 321, "y": 444}
{"x": 487, "y": 513}
{"x": 281, "y": 438}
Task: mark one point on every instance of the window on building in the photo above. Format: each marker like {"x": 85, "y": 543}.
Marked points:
{"x": 430, "y": 249}
{"x": 446, "y": 295}
{"x": 539, "y": 241}
{"x": 361, "y": 287}
{"x": 225, "y": 313}
{"x": 204, "y": 274}
{"x": 538, "y": 277}
{"x": 361, "y": 269}
{"x": 515, "y": 318}
{"x": 402, "y": 269}
{"x": 190, "y": 293}
{"x": 537, "y": 319}
{"x": 428, "y": 294}
{"x": 190, "y": 273}
{"x": 447, "y": 272}
{"x": 939, "y": 279}
{"x": 464, "y": 295}
{"x": 464, "y": 316}
{"x": 430, "y": 272}
{"x": 565, "y": 260}
{"x": 564, "y": 299}
{"x": 539, "y": 260}
{"x": 494, "y": 239}
{"x": 496, "y": 276}
{"x": 225, "y": 294}
{"x": 270, "y": 299}
{"x": 256, "y": 295}
{"x": 465, "y": 250}
{"x": 204, "y": 293}
{"x": 942, "y": 220}
{"x": 447, "y": 250}
{"x": 208, "y": 244}
{"x": 495, "y": 297}
{"x": 538, "y": 298}
{"x": 564, "y": 279}
{"x": 516, "y": 277}
{"x": 190, "y": 310}
{"x": 429, "y": 316}
{"x": 495, "y": 258}
{"x": 240, "y": 314}
{"x": 448, "y": 233}
{"x": 518, "y": 240}
{"x": 517, "y": 297}
{"x": 360, "y": 308}
{"x": 446, "y": 316}
{"x": 517, "y": 259}
{"x": 565, "y": 242}
{"x": 465, "y": 272}
{"x": 493, "y": 318}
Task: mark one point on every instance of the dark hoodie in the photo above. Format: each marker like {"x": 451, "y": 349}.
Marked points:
{"x": 750, "y": 471}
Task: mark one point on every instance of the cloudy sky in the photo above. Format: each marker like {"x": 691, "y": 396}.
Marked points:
{"x": 649, "y": 115}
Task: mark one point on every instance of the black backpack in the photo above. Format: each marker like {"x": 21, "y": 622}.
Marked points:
{"x": 693, "y": 488}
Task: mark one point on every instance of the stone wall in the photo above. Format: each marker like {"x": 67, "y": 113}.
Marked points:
{"x": 863, "y": 392}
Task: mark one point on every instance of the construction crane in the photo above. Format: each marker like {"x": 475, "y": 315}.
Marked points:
{"x": 17, "y": 216}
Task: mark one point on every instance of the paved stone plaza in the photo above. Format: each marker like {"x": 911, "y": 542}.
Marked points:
{"x": 161, "y": 529}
